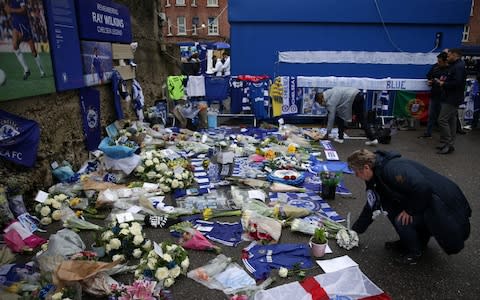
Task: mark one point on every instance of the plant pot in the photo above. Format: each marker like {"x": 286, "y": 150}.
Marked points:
{"x": 99, "y": 250}
{"x": 328, "y": 192}
{"x": 318, "y": 250}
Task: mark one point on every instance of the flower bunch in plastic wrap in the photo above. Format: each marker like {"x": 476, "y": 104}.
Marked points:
{"x": 165, "y": 264}
{"x": 125, "y": 241}
{"x": 170, "y": 173}
{"x": 50, "y": 209}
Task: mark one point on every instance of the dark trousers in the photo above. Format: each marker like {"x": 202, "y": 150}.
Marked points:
{"x": 433, "y": 112}
{"x": 447, "y": 121}
{"x": 341, "y": 126}
{"x": 359, "y": 111}
{"x": 414, "y": 236}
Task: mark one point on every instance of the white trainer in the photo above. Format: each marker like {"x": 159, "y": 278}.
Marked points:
{"x": 372, "y": 143}
{"x": 340, "y": 141}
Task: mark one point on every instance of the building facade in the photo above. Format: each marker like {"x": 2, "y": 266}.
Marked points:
{"x": 194, "y": 20}
{"x": 471, "y": 31}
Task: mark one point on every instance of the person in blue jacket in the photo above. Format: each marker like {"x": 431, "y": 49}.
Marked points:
{"x": 418, "y": 201}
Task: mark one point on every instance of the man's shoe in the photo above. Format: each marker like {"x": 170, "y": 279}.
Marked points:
{"x": 425, "y": 136}
{"x": 408, "y": 259}
{"x": 340, "y": 141}
{"x": 26, "y": 75}
{"x": 395, "y": 246}
{"x": 446, "y": 150}
{"x": 372, "y": 143}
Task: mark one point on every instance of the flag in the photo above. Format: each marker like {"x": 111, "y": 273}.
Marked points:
{"x": 90, "y": 110}
{"x": 411, "y": 105}
{"x": 19, "y": 139}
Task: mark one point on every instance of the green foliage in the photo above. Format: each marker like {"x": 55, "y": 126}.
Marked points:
{"x": 319, "y": 236}
{"x": 330, "y": 178}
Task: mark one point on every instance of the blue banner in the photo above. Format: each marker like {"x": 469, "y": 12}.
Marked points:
{"x": 19, "y": 139}
{"x": 65, "y": 44}
{"x": 90, "y": 109}
{"x": 103, "y": 20}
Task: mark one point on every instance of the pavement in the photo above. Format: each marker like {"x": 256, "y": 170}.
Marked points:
{"x": 436, "y": 276}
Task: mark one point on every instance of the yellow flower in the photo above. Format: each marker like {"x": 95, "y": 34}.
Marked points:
{"x": 291, "y": 148}
{"x": 79, "y": 213}
{"x": 207, "y": 214}
{"x": 14, "y": 288}
{"x": 74, "y": 201}
{"x": 270, "y": 154}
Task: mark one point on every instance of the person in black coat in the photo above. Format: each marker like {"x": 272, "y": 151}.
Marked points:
{"x": 418, "y": 201}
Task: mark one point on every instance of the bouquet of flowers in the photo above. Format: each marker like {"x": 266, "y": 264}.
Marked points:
{"x": 125, "y": 241}
{"x": 164, "y": 264}
{"x": 169, "y": 173}
{"x": 330, "y": 178}
{"x": 50, "y": 209}
{"x": 139, "y": 289}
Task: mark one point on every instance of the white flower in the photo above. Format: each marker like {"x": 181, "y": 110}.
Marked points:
{"x": 151, "y": 254}
{"x": 168, "y": 282}
{"x": 115, "y": 244}
{"x": 57, "y": 296}
{"x": 136, "y": 231}
{"x": 163, "y": 167}
{"x": 151, "y": 175}
{"x": 150, "y": 265}
{"x": 56, "y": 215}
{"x": 283, "y": 272}
{"x": 137, "y": 240}
{"x": 107, "y": 235}
{"x": 48, "y": 201}
{"x": 175, "y": 272}
{"x": 175, "y": 184}
{"x": 166, "y": 257}
{"x": 165, "y": 188}
{"x": 108, "y": 248}
{"x": 138, "y": 272}
{"x": 140, "y": 169}
{"x": 45, "y": 211}
{"x": 46, "y": 221}
{"x": 148, "y": 163}
{"x": 44, "y": 247}
{"x": 124, "y": 231}
{"x": 137, "y": 253}
{"x": 118, "y": 257}
{"x": 161, "y": 273}
{"x": 148, "y": 155}
{"x": 124, "y": 225}
{"x": 38, "y": 207}
{"x": 169, "y": 173}
{"x": 147, "y": 245}
{"x": 157, "y": 168}
{"x": 181, "y": 185}
{"x": 185, "y": 175}
{"x": 185, "y": 264}
{"x": 56, "y": 204}
{"x": 156, "y": 161}
{"x": 61, "y": 197}
{"x": 178, "y": 176}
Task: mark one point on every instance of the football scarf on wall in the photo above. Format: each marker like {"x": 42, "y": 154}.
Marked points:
{"x": 411, "y": 105}
{"x": 283, "y": 94}
{"x": 90, "y": 110}
{"x": 19, "y": 139}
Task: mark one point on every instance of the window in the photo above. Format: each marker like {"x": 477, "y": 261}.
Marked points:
{"x": 181, "y": 26}
{"x": 195, "y": 22}
{"x": 212, "y": 3}
{"x": 194, "y": 3}
{"x": 471, "y": 9}
{"x": 212, "y": 26}
{"x": 167, "y": 3}
{"x": 466, "y": 33}
{"x": 179, "y": 2}
{"x": 169, "y": 26}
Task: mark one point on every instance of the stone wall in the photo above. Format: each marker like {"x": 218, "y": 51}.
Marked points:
{"x": 59, "y": 114}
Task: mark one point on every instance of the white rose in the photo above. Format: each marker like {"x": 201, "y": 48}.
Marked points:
{"x": 161, "y": 273}
{"x": 135, "y": 225}
{"x": 115, "y": 244}
{"x": 148, "y": 163}
{"x": 152, "y": 254}
{"x": 173, "y": 247}
{"x": 118, "y": 257}
{"x": 165, "y": 188}
{"x": 168, "y": 282}
{"x": 45, "y": 211}
{"x": 46, "y": 221}
{"x": 161, "y": 180}
{"x": 137, "y": 240}
{"x": 148, "y": 155}
{"x": 166, "y": 257}
{"x": 185, "y": 175}
{"x": 124, "y": 231}
{"x": 178, "y": 176}
{"x": 283, "y": 272}
{"x": 61, "y": 197}
{"x": 147, "y": 245}
{"x": 56, "y": 215}
{"x": 150, "y": 265}
{"x": 163, "y": 167}
{"x": 151, "y": 175}
{"x": 140, "y": 169}
{"x": 108, "y": 248}
{"x": 57, "y": 296}
{"x": 174, "y": 184}
{"x": 38, "y": 207}
{"x": 136, "y": 231}
{"x": 48, "y": 201}
{"x": 157, "y": 168}
{"x": 124, "y": 225}
{"x": 169, "y": 173}
{"x": 137, "y": 253}
{"x": 56, "y": 204}
{"x": 185, "y": 264}
{"x": 138, "y": 272}
{"x": 181, "y": 185}
{"x": 175, "y": 272}
{"x": 156, "y": 161}
{"x": 107, "y": 235}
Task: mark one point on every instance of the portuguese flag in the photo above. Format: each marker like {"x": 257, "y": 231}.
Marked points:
{"x": 411, "y": 105}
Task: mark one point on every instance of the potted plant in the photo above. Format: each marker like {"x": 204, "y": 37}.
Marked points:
{"x": 98, "y": 245}
{"x": 318, "y": 242}
{"x": 330, "y": 180}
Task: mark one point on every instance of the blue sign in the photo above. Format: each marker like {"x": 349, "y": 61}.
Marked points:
{"x": 64, "y": 44}
{"x": 103, "y": 20}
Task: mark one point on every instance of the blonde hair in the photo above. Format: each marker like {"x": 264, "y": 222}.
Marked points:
{"x": 358, "y": 159}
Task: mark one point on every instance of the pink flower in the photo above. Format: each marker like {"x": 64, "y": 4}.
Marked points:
{"x": 194, "y": 239}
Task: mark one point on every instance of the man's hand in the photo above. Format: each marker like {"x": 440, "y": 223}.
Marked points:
{"x": 405, "y": 218}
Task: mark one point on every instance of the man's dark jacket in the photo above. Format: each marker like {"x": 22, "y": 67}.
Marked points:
{"x": 454, "y": 85}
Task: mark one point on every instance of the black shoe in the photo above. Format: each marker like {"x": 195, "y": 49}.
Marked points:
{"x": 26, "y": 75}
{"x": 440, "y": 147}
{"x": 395, "y": 246}
{"x": 461, "y": 132}
{"x": 425, "y": 136}
{"x": 408, "y": 259}
{"x": 446, "y": 150}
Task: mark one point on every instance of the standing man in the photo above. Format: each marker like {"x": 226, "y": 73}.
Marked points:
{"x": 226, "y": 63}
{"x": 340, "y": 102}
{"x": 22, "y": 32}
{"x": 96, "y": 67}
{"x": 454, "y": 86}
{"x": 418, "y": 201}
{"x": 438, "y": 71}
